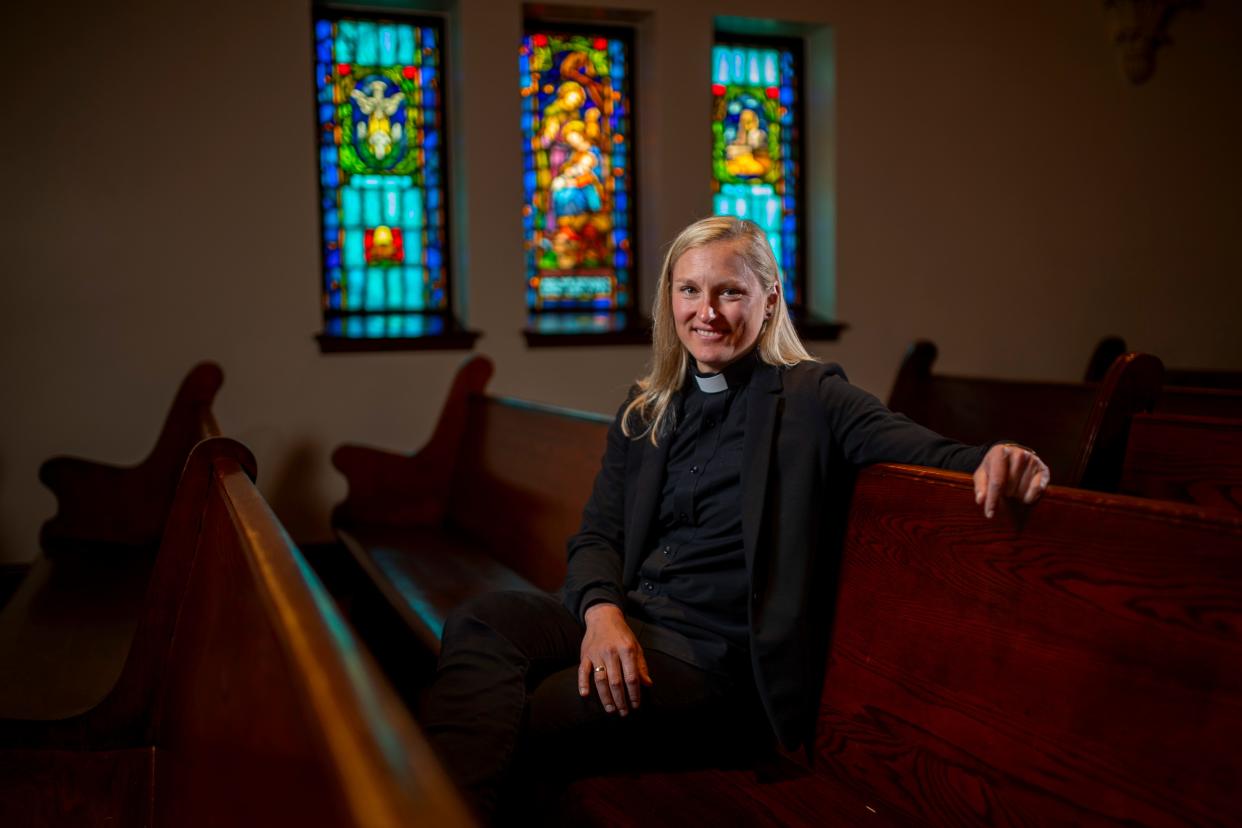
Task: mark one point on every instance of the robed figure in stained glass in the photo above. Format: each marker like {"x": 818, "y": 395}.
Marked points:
{"x": 576, "y": 125}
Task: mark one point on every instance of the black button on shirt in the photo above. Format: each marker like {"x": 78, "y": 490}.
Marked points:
{"x": 693, "y": 584}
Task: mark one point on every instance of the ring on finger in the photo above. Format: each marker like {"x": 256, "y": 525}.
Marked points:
{"x": 599, "y": 668}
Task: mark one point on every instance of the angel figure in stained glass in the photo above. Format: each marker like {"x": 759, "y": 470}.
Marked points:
{"x": 379, "y": 130}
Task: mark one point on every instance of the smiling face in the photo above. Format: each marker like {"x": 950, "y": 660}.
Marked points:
{"x": 718, "y": 305}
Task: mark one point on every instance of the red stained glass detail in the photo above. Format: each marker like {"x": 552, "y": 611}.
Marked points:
{"x": 343, "y": 68}
{"x": 773, "y": 92}
{"x": 600, "y": 44}
{"x": 384, "y": 245}
{"x": 539, "y": 40}
{"x": 410, "y": 72}
{"x": 718, "y": 89}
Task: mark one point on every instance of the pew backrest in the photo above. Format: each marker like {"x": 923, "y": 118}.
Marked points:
{"x": 510, "y": 475}
{"x": 1200, "y": 402}
{"x": 1078, "y": 662}
{"x": 1079, "y": 429}
{"x": 1189, "y": 459}
{"x": 522, "y": 480}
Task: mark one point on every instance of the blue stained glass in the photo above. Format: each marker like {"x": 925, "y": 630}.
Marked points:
{"x": 368, "y": 45}
{"x": 371, "y": 212}
{"x": 386, "y": 38}
{"x": 394, "y": 291}
{"x": 346, "y": 37}
{"x": 413, "y": 244}
{"x": 374, "y": 296}
{"x": 351, "y": 206}
{"x": 392, "y": 207}
{"x": 355, "y": 283}
{"x": 405, "y": 45}
{"x": 575, "y": 149}
{"x": 413, "y": 212}
{"x": 355, "y": 248}
{"x": 437, "y": 298}
{"x": 755, "y": 115}
{"x": 360, "y": 197}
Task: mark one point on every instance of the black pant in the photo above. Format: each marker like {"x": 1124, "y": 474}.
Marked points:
{"x": 505, "y": 715}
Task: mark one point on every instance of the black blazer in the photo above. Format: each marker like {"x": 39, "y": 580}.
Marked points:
{"x": 807, "y": 429}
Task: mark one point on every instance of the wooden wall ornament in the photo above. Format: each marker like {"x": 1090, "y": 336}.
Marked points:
{"x": 1138, "y": 28}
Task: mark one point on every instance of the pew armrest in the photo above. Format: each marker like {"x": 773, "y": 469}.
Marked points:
{"x": 100, "y": 503}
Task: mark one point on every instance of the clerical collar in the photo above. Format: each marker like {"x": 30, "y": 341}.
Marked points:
{"x": 732, "y": 376}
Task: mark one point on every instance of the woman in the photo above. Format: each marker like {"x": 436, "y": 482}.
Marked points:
{"x": 699, "y": 587}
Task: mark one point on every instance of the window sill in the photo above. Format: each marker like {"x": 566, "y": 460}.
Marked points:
{"x": 817, "y": 329}
{"x": 361, "y": 333}
{"x": 576, "y": 330}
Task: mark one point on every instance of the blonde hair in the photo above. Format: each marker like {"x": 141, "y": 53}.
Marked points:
{"x": 649, "y": 411}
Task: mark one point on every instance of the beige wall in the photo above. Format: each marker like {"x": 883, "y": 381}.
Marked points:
{"x": 1000, "y": 189}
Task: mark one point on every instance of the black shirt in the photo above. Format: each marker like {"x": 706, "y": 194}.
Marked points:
{"x": 692, "y": 586}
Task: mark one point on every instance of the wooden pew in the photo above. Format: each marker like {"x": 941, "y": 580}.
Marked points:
{"x": 245, "y": 699}
{"x": 1189, "y": 459}
{"x": 463, "y": 516}
{"x": 100, "y": 504}
{"x": 65, "y": 631}
{"x": 1074, "y": 663}
{"x": 1111, "y": 347}
{"x": 1079, "y": 429}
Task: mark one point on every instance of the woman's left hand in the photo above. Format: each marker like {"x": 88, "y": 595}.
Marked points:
{"x": 1010, "y": 470}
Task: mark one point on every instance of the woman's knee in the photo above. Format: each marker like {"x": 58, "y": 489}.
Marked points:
{"x": 493, "y": 613}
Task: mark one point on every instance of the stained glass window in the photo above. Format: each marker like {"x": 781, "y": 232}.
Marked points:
{"x": 756, "y": 151}
{"x": 381, "y": 164}
{"x": 578, "y": 215}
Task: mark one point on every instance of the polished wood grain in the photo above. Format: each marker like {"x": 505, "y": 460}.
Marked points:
{"x": 487, "y": 504}
{"x": 246, "y": 700}
{"x": 82, "y": 673}
{"x": 1201, "y": 402}
{"x": 271, "y": 698}
{"x": 533, "y": 468}
{"x": 1191, "y": 459}
{"x": 99, "y": 503}
{"x": 1079, "y": 429}
{"x": 1079, "y": 662}
{"x": 392, "y": 489}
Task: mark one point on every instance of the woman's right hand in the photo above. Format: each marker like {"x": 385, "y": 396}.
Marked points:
{"x": 610, "y": 643}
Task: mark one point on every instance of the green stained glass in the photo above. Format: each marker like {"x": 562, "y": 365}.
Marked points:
{"x": 577, "y": 141}
{"x": 756, "y": 165}
{"x": 380, "y": 113}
